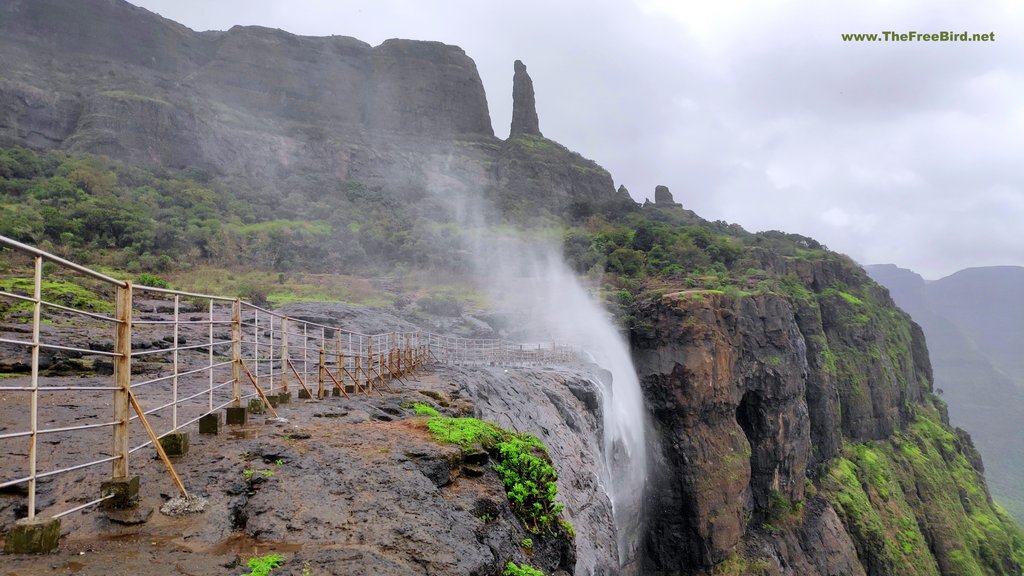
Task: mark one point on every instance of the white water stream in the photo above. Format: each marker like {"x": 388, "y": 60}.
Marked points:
{"x": 534, "y": 281}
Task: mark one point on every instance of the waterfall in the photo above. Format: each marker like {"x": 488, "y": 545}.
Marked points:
{"x": 533, "y": 279}
{"x": 580, "y": 319}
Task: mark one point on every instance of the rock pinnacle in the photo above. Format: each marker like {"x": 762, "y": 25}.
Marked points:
{"x": 524, "y": 107}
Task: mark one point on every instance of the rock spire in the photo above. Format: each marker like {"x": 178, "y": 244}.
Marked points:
{"x": 524, "y": 107}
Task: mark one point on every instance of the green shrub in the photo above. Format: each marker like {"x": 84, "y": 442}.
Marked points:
{"x": 262, "y": 565}
{"x": 529, "y": 480}
{"x": 151, "y": 280}
{"x": 523, "y": 466}
{"x": 568, "y": 527}
{"x": 513, "y": 570}
{"x": 464, "y": 431}
{"x": 424, "y": 409}
{"x": 254, "y": 294}
{"x": 622, "y": 297}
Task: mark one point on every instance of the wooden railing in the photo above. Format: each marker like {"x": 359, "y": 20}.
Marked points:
{"x": 172, "y": 358}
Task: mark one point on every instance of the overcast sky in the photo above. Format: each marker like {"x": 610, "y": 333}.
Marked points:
{"x": 751, "y": 112}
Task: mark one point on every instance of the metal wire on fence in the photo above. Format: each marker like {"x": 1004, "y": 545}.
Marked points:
{"x": 172, "y": 357}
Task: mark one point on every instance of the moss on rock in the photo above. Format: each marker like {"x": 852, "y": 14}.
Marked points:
{"x": 916, "y": 504}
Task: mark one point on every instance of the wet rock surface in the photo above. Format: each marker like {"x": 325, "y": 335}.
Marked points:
{"x": 545, "y": 403}
{"x": 346, "y": 487}
{"x": 726, "y": 392}
{"x": 764, "y": 403}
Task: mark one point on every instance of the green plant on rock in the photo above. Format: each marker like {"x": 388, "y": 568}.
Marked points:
{"x": 262, "y": 565}
{"x": 866, "y": 486}
{"x": 529, "y": 480}
{"x": 568, "y": 527}
{"x": 738, "y": 565}
{"x": 512, "y": 569}
{"x": 423, "y": 409}
{"x": 523, "y": 465}
{"x": 249, "y": 473}
{"x": 464, "y": 431}
{"x": 527, "y": 543}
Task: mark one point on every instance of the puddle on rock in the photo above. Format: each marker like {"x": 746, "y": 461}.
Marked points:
{"x": 244, "y": 432}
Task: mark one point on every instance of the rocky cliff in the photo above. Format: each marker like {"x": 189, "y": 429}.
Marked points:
{"x": 281, "y": 111}
{"x": 799, "y": 435}
{"x": 797, "y": 430}
{"x": 974, "y": 369}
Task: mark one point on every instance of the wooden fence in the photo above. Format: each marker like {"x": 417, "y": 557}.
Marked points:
{"x": 172, "y": 358}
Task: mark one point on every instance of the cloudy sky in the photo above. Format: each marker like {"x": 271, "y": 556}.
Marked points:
{"x": 755, "y": 112}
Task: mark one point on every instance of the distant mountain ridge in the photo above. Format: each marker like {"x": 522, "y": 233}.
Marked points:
{"x": 974, "y": 321}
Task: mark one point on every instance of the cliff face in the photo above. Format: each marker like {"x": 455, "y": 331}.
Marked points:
{"x": 799, "y": 435}
{"x": 971, "y": 368}
{"x": 291, "y": 112}
{"x": 103, "y": 76}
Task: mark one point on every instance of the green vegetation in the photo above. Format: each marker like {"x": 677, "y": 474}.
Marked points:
{"x": 533, "y": 143}
{"x": 656, "y": 251}
{"x": 521, "y": 570}
{"x": 529, "y": 478}
{"x": 527, "y": 543}
{"x": 263, "y": 565}
{"x": 78, "y": 293}
{"x": 232, "y": 236}
{"x": 249, "y": 473}
{"x": 523, "y": 464}
{"x": 424, "y": 409}
{"x": 781, "y": 512}
{"x": 151, "y": 280}
{"x": 947, "y": 512}
{"x": 738, "y": 565}
{"x": 159, "y": 220}
{"x": 568, "y": 528}
{"x": 465, "y": 432}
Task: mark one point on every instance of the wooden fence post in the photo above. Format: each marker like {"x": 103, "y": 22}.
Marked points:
{"x": 369, "y": 361}
{"x": 408, "y": 352}
{"x": 320, "y": 381}
{"x": 33, "y": 440}
{"x": 284, "y": 354}
{"x": 236, "y": 352}
{"x": 358, "y": 361}
{"x": 122, "y": 378}
{"x": 339, "y": 358}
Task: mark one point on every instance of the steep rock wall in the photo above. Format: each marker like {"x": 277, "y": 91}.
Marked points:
{"x": 285, "y": 111}
{"x": 562, "y": 408}
{"x": 787, "y": 423}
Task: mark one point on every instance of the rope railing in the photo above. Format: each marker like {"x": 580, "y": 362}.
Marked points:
{"x": 173, "y": 358}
